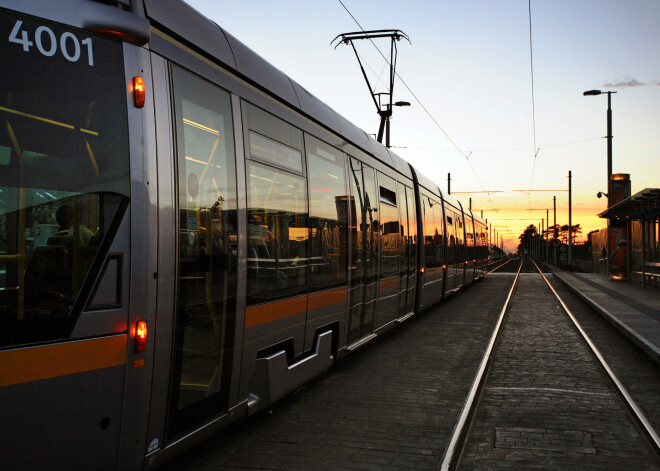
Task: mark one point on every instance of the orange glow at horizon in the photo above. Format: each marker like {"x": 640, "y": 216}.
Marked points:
{"x": 511, "y": 220}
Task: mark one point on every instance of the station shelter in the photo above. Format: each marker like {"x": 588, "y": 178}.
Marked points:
{"x": 633, "y": 238}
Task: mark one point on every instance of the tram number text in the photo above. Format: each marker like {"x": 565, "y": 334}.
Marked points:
{"x": 46, "y": 42}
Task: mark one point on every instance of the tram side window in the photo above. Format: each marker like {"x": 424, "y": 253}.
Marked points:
{"x": 271, "y": 139}
{"x": 429, "y": 232}
{"x": 451, "y": 239}
{"x": 278, "y": 226}
{"x": 278, "y": 234}
{"x": 460, "y": 240}
{"x": 64, "y": 180}
{"x": 390, "y": 226}
{"x": 328, "y": 215}
{"x": 438, "y": 235}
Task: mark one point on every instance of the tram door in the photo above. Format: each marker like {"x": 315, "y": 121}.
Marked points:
{"x": 407, "y": 279}
{"x": 452, "y": 250}
{"x": 389, "y": 254}
{"x": 364, "y": 261}
{"x": 207, "y": 266}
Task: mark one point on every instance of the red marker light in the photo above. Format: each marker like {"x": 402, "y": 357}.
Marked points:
{"x": 422, "y": 270}
{"x": 444, "y": 267}
{"x": 140, "y": 337}
{"x": 138, "y": 91}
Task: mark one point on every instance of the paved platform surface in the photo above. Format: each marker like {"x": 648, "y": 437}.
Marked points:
{"x": 632, "y": 310}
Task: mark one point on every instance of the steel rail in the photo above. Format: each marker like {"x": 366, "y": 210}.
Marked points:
{"x": 637, "y": 413}
{"x": 460, "y": 431}
{"x": 501, "y": 265}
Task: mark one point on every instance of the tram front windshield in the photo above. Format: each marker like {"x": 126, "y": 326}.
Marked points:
{"x": 64, "y": 171}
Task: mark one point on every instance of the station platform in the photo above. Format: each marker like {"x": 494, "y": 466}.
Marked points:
{"x": 634, "y": 311}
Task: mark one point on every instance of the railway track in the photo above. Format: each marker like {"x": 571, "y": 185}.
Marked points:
{"x": 544, "y": 395}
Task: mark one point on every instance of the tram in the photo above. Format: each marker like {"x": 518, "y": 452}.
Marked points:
{"x": 187, "y": 234}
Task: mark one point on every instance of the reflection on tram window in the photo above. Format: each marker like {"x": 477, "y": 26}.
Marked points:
{"x": 206, "y": 294}
{"x": 391, "y": 228}
{"x": 429, "y": 231}
{"x": 364, "y": 231}
{"x": 438, "y": 236}
{"x": 328, "y": 215}
{"x": 271, "y": 139}
{"x": 64, "y": 185}
{"x": 410, "y": 250}
{"x": 278, "y": 234}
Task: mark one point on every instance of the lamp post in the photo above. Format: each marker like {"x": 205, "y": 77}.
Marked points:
{"x": 609, "y": 135}
{"x": 609, "y": 163}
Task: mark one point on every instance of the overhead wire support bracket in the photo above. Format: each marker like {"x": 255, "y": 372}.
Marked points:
{"x": 384, "y": 110}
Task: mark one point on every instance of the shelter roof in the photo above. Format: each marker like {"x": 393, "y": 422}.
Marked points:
{"x": 642, "y": 205}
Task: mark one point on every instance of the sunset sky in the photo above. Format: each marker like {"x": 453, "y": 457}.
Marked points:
{"x": 468, "y": 76}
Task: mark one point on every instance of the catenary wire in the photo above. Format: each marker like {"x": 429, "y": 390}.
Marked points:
{"x": 466, "y": 155}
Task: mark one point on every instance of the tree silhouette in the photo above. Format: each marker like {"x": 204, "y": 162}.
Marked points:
{"x": 528, "y": 239}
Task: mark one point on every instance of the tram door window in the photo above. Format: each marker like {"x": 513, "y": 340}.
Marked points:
{"x": 404, "y": 251}
{"x": 470, "y": 242}
{"x": 429, "y": 232}
{"x": 364, "y": 287}
{"x": 452, "y": 224}
{"x": 411, "y": 250}
{"x": 328, "y": 215}
{"x": 438, "y": 237}
{"x": 390, "y": 247}
{"x": 64, "y": 179}
{"x": 206, "y": 276}
{"x": 461, "y": 256}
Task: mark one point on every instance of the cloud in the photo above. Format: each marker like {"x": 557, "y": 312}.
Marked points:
{"x": 630, "y": 82}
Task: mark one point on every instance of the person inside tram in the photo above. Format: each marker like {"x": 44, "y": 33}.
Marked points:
{"x": 65, "y": 231}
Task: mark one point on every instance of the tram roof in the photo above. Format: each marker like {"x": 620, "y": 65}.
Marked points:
{"x": 642, "y": 205}
{"x": 182, "y": 19}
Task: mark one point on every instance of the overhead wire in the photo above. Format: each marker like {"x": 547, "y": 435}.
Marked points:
{"x": 531, "y": 66}
{"x": 518, "y": 149}
{"x": 466, "y": 155}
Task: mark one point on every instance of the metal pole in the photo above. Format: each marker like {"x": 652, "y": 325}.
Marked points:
{"x": 628, "y": 270}
{"x": 449, "y": 183}
{"x": 547, "y": 236}
{"x": 554, "y": 199}
{"x": 570, "y": 222}
{"x": 609, "y": 146}
{"x": 643, "y": 252}
{"x": 541, "y": 239}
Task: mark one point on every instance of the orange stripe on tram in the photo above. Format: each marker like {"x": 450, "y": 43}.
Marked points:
{"x": 388, "y": 283}
{"x": 264, "y": 313}
{"x": 33, "y": 364}
{"x": 327, "y": 298}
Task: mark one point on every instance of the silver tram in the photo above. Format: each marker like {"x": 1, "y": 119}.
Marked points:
{"x": 186, "y": 234}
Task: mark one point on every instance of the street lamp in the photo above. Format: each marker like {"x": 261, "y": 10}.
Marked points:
{"x": 609, "y": 165}
{"x": 609, "y": 136}
{"x": 385, "y": 112}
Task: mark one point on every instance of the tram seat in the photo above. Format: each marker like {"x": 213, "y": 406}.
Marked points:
{"x": 47, "y": 275}
{"x": 61, "y": 240}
